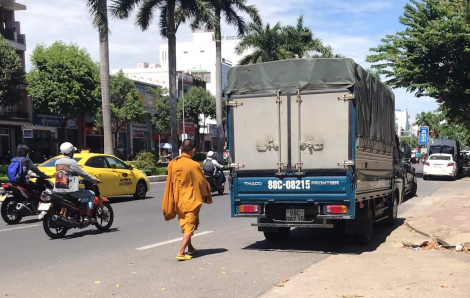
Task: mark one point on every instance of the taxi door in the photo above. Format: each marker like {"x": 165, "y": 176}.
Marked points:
{"x": 124, "y": 177}
{"x": 98, "y": 167}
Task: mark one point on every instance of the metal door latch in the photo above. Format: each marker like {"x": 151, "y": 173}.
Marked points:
{"x": 234, "y": 103}
{"x": 270, "y": 145}
{"x": 236, "y": 166}
{"x": 346, "y": 163}
{"x": 346, "y": 97}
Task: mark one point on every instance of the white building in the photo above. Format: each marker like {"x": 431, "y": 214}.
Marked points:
{"x": 198, "y": 57}
{"x": 402, "y": 122}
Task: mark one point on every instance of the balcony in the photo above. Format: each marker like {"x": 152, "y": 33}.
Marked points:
{"x": 14, "y": 115}
{"x": 17, "y": 41}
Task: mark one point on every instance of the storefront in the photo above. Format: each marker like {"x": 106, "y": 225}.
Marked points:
{"x": 94, "y": 139}
{"x": 141, "y": 136}
{"x": 41, "y": 137}
{"x": 5, "y": 145}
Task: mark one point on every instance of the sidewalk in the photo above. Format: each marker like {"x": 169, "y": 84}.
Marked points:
{"x": 390, "y": 271}
{"x": 448, "y": 218}
{"x": 385, "y": 269}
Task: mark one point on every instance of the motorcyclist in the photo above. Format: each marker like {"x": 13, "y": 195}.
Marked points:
{"x": 22, "y": 151}
{"x": 213, "y": 168}
{"x": 67, "y": 172}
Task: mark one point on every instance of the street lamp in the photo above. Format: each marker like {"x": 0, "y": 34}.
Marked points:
{"x": 182, "y": 89}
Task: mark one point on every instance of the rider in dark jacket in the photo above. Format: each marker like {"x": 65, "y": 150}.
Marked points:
{"x": 22, "y": 151}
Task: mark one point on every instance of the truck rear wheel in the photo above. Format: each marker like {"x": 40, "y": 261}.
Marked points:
{"x": 392, "y": 210}
{"x": 281, "y": 235}
{"x": 364, "y": 239}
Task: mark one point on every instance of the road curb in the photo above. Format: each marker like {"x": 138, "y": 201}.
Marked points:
{"x": 162, "y": 178}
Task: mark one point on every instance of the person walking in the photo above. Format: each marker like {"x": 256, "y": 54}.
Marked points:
{"x": 185, "y": 192}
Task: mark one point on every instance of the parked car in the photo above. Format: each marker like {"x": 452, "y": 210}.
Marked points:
{"x": 440, "y": 165}
{"x": 118, "y": 177}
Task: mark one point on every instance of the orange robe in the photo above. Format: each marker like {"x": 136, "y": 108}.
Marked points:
{"x": 186, "y": 189}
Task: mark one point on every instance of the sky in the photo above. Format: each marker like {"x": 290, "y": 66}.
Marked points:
{"x": 351, "y": 27}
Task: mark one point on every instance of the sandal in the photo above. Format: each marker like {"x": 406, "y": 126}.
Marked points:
{"x": 192, "y": 253}
{"x": 183, "y": 258}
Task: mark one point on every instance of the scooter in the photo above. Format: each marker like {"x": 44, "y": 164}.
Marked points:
{"x": 63, "y": 212}
{"x": 23, "y": 200}
{"x": 213, "y": 183}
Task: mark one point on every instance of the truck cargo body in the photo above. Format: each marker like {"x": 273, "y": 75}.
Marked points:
{"x": 313, "y": 157}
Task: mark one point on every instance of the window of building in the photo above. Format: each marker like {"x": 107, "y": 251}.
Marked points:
{"x": 202, "y": 51}
{"x": 11, "y": 110}
{"x": 185, "y": 52}
{"x": 206, "y": 77}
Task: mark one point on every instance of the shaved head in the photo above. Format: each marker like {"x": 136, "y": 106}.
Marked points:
{"x": 188, "y": 146}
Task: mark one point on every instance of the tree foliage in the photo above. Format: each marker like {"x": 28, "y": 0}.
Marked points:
{"x": 278, "y": 43}
{"x": 161, "y": 107}
{"x": 11, "y": 73}
{"x": 63, "y": 80}
{"x": 405, "y": 141}
{"x": 125, "y": 104}
{"x": 197, "y": 102}
{"x": 431, "y": 56}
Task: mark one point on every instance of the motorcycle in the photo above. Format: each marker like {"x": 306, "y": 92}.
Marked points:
{"x": 213, "y": 184}
{"x": 23, "y": 200}
{"x": 63, "y": 212}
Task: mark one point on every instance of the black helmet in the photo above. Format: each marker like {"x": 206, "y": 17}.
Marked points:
{"x": 22, "y": 150}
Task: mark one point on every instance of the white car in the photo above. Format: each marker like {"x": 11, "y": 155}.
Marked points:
{"x": 440, "y": 164}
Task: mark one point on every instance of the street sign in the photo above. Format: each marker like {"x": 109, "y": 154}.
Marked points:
{"x": 423, "y": 135}
{"x": 27, "y": 133}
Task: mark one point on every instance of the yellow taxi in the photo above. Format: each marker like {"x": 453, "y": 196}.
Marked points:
{"x": 118, "y": 177}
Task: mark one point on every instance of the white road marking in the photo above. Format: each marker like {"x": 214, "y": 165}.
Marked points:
{"x": 17, "y": 228}
{"x": 171, "y": 241}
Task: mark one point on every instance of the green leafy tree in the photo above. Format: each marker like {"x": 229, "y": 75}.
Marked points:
{"x": 430, "y": 57}
{"x": 279, "y": 43}
{"x": 300, "y": 41}
{"x": 197, "y": 102}
{"x": 63, "y": 80}
{"x": 432, "y": 120}
{"x": 125, "y": 104}
{"x": 98, "y": 10}
{"x": 405, "y": 141}
{"x": 161, "y": 108}
{"x": 169, "y": 21}
{"x": 230, "y": 10}
{"x": 266, "y": 43}
{"x": 11, "y": 73}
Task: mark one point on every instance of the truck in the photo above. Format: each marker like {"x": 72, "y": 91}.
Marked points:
{"x": 447, "y": 146}
{"x": 312, "y": 145}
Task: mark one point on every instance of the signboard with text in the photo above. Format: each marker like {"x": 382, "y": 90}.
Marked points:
{"x": 189, "y": 127}
{"x": 423, "y": 135}
{"x": 27, "y": 134}
{"x": 47, "y": 120}
{"x": 213, "y": 130}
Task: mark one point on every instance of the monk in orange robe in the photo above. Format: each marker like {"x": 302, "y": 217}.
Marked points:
{"x": 186, "y": 189}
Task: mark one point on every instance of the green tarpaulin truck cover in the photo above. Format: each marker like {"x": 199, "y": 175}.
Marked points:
{"x": 374, "y": 102}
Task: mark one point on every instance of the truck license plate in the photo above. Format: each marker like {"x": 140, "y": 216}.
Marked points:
{"x": 295, "y": 214}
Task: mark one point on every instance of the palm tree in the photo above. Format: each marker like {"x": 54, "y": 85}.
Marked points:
{"x": 99, "y": 12}
{"x": 266, "y": 43}
{"x": 230, "y": 9}
{"x": 300, "y": 41}
{"x": 169, "y": 22}
{"x": 278, "y": 43}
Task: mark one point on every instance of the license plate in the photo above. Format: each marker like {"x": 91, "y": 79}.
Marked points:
{"x": 44, "y": 206}
{"x": 295, "y": 215}
{"x": 438, "y": 166}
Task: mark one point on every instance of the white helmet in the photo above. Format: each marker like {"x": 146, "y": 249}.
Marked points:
{"x": 67, "y": 148}
{"x": 210, "y": 154}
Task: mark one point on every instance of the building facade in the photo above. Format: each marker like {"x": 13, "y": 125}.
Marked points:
{"x": 15, "y": 117}
{"x": 402, "y": 122}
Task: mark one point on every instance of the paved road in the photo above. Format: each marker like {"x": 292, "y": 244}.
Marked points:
{"x": 234, "y": 260}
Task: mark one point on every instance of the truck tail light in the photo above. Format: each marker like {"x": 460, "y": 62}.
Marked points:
{"x": 450, "y": 164}
{"x": 426, "y": 163}
{"x": 248, "y": 208}
{"x": 336, "y": 209}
